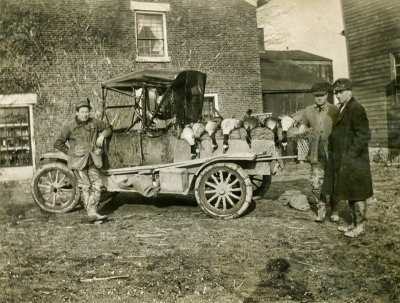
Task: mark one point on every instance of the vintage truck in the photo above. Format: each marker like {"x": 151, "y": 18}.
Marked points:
{"x": 147, "y": 110}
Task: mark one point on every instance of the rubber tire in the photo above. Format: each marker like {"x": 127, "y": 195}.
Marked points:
{"x": 260, "y": 184}
{"x": 244, "y": 183}
{"x": 37, "y": 196}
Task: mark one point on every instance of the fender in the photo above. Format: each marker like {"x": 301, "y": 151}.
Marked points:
{"x": 227, "y": 157}
{"x": 222, "y": 158}
{"x": 55, "y": 156}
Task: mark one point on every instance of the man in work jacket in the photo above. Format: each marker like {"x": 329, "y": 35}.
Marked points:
{"x": 348, "y": 174}
{"x": 85, "y": 137}
{"x": 320, "y": 117}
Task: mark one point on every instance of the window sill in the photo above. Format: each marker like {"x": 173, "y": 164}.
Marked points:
{"x": 16, "y": 173}
{"x": 153, "y": 59}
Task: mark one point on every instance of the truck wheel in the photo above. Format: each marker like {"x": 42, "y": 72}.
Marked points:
{"x": 54, "y": 188}
{"x": 223, "y": 190}
{"x": 260, "y": 184}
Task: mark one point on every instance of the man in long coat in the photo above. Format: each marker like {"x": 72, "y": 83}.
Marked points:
{"x": 348, "y": 174}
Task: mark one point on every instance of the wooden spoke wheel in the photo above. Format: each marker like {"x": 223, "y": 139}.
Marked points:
{"x": 223, "y": 190}
{"x": 54, "y": 188}
{"x": 260, "y": 184}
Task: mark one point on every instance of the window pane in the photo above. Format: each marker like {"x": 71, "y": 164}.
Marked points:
{"x": 15, "y": 149}
{"x": 208, "y": 108}
{"x": 397, "y": 58}
{"x": 398, "y": 70}
{"x": 151, "y": 47}
{"x": 150, "y": 26}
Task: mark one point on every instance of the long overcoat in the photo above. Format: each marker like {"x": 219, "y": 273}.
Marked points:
{"x": 348, "y": 174}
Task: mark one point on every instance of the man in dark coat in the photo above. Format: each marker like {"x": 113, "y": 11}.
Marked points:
{"x": 348, "y": 174}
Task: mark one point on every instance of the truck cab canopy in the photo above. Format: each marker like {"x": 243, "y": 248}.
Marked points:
{"x": 187, "y": 88}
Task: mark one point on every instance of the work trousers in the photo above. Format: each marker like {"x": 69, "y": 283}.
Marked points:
{"x": 89, "y": 183}
{"x": 317, "y": 176}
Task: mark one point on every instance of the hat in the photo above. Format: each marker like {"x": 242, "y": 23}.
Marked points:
{"x": 321, "y": 88}
{"x": 342, "y": 84}
{"x": 84, "y": 103}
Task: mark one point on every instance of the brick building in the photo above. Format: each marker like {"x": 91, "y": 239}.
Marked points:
{"x": 54, "y": 53}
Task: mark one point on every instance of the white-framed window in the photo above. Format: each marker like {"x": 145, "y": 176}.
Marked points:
{"x": 151, "y": 31}
{"x": 210, "y": 105}
{"x": 16, "y": 136}
{"x": 395, "y": 77}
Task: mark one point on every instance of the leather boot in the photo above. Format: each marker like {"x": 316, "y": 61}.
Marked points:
{"x": 360, "y": 220}
{"x": 321, "y": 212}
{"x": 93, "y": 214}
{"x": 334, "y": 212}
{"x": 347, "y": 228}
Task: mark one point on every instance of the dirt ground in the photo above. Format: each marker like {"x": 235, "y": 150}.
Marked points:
{"x": 167, "y": 250}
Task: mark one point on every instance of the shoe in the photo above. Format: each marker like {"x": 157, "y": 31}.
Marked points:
{"x": 334, "y": 216}
{"x": 319, "y": 219}
{"x": 346, "y": 228}
{"x": 355, "y": 232}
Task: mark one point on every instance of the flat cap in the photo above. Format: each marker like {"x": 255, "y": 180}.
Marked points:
{"x": 342, "y": 84}
{"x": 83, "y": 103}
{"x": 321, "y": 88}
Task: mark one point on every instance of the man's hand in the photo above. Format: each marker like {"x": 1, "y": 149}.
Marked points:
{"x": 302, "y": 129}
{"x": 100, "y": 140}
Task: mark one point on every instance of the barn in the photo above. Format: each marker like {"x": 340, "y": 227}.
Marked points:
{"x": 287, "y": 77}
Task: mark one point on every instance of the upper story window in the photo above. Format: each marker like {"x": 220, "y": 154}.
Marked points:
{"x": 151, "y": 31}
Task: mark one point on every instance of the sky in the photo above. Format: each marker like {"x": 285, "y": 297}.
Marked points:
{"x": 313, "y": 26}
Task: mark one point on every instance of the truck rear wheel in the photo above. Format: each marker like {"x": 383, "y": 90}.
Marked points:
{"x": 54, "y": 188}
{"x": 223, "y": 190}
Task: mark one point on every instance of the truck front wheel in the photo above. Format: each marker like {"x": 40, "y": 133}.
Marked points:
{"x": 54, "y": 188}
{"x": 223, "y": 190}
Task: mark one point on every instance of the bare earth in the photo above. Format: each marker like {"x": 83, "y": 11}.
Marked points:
{"x": 167, "y": 250}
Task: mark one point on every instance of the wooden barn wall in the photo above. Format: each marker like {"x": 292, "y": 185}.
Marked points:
{"x": 372, "y": 29}
{"x": 324, "y": 70}
{"x": 288, "y": 102}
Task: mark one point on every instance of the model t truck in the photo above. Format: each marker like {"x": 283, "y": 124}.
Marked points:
{"x": 147, "y": 152}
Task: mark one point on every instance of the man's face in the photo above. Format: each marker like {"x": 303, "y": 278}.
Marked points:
{"x": 343, "y": 96}
{"x": 83, "y": 114}
{"x": 320, "y": 99}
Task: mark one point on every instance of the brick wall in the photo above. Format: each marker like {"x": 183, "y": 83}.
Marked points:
{"x": 64, "y": 50}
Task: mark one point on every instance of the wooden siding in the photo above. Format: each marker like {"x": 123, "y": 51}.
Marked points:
{"x": 372, "y": 30}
